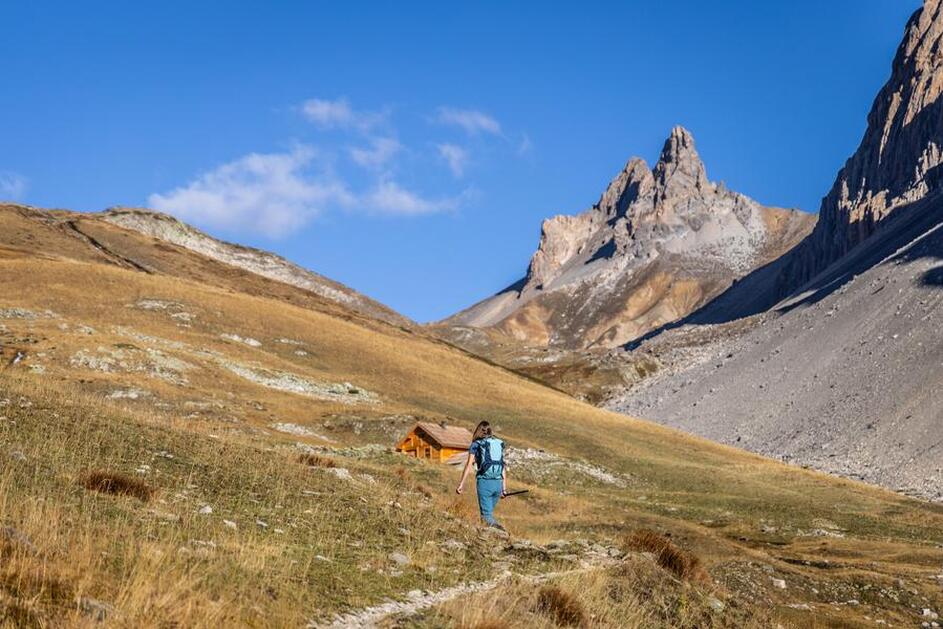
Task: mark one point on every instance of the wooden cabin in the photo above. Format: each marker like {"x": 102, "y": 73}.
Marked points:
{"x": 436, "y": 442}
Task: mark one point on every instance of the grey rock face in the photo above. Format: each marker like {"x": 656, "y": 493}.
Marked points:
{"x": 899, "y": 159}
{"x": 657, "y": 244}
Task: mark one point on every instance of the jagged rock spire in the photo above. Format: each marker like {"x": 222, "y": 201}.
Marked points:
{"x": 680, "y": 167}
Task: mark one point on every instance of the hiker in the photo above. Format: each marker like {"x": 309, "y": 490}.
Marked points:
{"x": 487, "y": 453}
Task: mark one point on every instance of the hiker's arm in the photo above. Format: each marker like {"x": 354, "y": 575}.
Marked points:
{"x": 465, "y": 472}
{"x": 504, "y": 479}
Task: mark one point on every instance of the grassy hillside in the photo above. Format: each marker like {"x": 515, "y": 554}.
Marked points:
{"x": 201, "y": 452}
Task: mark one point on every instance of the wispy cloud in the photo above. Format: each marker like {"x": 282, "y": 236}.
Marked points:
{"x": 275, "y": 194}
{"x": 388, "y": 197}
{"x": 525, "y": 147}
{"x": 455, "y": 156}
{"x": 338, "y": 114}
{"x": 471, "y": 120}
{"x": 380, "y": 151}
{"x": 12, "y": 185}
{"x": 271, "y": 193}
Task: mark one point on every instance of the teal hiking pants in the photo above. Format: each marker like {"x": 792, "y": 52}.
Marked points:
{"x": 489, "y": 493}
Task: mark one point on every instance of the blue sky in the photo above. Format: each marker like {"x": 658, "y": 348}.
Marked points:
{"x": 411, "y": 149}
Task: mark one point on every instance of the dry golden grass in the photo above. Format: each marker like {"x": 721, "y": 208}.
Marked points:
{"x": 631, "y": 595}
{"x": 156, "y": 562}
{"x": 492, "y": 624}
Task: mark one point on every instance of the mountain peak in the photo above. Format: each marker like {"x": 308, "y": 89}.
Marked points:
{"x": 680, "y": 169}
{"x": 659, "y": 243}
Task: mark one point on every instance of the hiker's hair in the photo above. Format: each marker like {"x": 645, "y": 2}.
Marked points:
{"x": 481, "y": 431}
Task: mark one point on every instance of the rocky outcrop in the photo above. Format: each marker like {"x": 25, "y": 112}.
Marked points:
{"x": 658, "y": 244}
{"x": 274, "y": 267}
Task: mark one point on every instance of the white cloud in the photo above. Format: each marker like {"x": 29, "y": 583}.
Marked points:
{"x": 381, "y": 151}
{"x": 267, "y": 193}
{"x": 471, "y": 120}
{"x": 455, "y": 156}
{"x": 12, "y": 185}
{"x": 388, "y": 197}
{"x": 338, "y": 114}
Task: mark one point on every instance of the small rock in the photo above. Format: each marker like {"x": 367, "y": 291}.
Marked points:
{"x": 17, "y": 538}
{"x": 16, "y": 455}
{"x": 780, "y": 583}
{"x": 716, "y": 604}
{"x": 229, "y": 524}
{"x": 205, "y": 510}
{"x": 165, "y": 516}
{"x": 341, "y": 473}
{"x": 399, "y": 559}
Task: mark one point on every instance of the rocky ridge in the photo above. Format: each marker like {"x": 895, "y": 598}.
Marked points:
{"x": 268, "y": 265}
{"x": 658, "y": 244}
{"x": 897, "y": 164}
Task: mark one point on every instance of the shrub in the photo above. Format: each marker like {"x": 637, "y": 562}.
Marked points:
{"x": 561, "y": 606}
{"x": 679, "y": 562}
{"x": 314, "y": 460}
{"x": 117, "y": 484}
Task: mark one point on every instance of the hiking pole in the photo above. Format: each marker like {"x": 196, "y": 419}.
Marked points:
{"x": 516, "y": 493}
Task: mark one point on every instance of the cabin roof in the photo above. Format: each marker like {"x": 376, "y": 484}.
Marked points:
{"x": 446, "y": 436}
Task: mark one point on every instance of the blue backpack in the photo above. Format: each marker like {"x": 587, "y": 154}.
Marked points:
{"x": 489, "y": 457}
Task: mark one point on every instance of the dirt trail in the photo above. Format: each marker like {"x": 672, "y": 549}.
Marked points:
{"x": 417, "y": 601}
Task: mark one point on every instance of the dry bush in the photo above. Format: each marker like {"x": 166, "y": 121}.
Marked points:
{"x": 561, "y": 606}
{"x": 679, "y": 562}
{"x": 117, "y": 484}
{"x": 313, "y": 460}
{"x": 402, "y": 473}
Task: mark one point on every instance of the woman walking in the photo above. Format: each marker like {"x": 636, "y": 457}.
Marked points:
{"x": 487, "y": 453}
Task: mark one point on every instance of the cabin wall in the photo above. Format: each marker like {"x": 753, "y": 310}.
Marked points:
{"x": 447, "y": 453}
{"x": 414, "y": 445}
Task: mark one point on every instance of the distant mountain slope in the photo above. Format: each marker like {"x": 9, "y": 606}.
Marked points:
{"x": 264, "y": 263}
{"x": 845, "y": 373}
{"x": 659, "y": 243}
{"x": 126, "y": 237}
